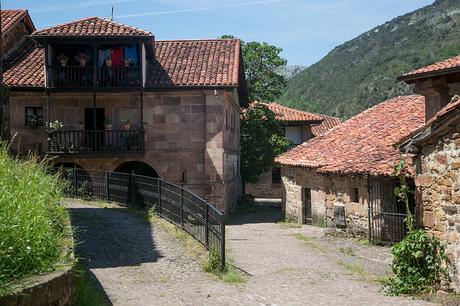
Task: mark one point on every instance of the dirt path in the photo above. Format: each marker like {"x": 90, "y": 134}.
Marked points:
{"x": 137, "y": 263}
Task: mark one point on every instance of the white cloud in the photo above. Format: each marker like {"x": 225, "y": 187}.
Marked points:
{"x": 76, "y": 5}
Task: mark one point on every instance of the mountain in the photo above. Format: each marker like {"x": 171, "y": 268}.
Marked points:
{"x": 290, "y": 71}
{"x": 362, "y": 72}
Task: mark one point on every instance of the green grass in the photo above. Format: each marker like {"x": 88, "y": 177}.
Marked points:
{"x": 35, "y": 235}
{"x": 357, "y": 270}
{"x": 86, "y": 291}
{"x": 318, "y": 221}
{"x": 289, "y": 224}
{"x": 229, "y": 274}
{"x": 309, "y": 241}
{"x": 347, "y": 251}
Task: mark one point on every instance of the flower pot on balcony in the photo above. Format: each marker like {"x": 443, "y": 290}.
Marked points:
{"x": 108, "y": 127}
{"x": 63, "y": 62}
{"x": 126, "y": 126}
{"x": 108, "y": 62}
{"x": 126, "y": 62}
{"x": 82, "y": 62}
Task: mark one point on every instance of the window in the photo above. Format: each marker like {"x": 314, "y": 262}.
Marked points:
{"x": 276, "y": 175}
{"x": 34, "y": 116}
{"x": 354, "y": 195}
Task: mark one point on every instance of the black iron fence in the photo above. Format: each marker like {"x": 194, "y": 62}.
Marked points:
{"x": 193, "y": 214}
{"x": 95, "y": 141}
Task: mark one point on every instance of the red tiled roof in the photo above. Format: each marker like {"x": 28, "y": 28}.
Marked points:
{"x": 92, "y": 26}
{"x": 364, "y": 143}
{"x": 288, "y": 114}
{"x": 177, "y": 64}
{"x": 447, "y": 64}
{"x": 10, "y": 18}
{"x": 213, "y": 62}
{"x": 25, "y": 66}
{"x": 327, "y": 124}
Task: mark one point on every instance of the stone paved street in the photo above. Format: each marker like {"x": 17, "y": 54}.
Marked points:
{"x": 137, "y": 263}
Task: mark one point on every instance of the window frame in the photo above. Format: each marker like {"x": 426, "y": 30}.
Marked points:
{"x": 40, "y": 119}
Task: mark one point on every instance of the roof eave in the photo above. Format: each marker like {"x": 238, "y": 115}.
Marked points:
{"x": 413, "y": 77}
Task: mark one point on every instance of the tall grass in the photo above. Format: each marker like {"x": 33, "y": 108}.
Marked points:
{"x": 34, "y": 228}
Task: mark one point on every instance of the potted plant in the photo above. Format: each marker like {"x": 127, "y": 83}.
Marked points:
{"x": 108, "y": 124}
{"x": 54, "y": 126}
{"x": 125, "y": 124}
{"x": 81, "y": 58}
{"x": 63, "y": 59}
{"x": 127, "y": 62}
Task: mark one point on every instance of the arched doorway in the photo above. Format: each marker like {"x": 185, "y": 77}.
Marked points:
{"x": 138, "y": 167}
{"x": 80, "y": 181}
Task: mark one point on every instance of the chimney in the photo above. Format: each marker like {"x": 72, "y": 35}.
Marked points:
{"x": 436, "y": 93}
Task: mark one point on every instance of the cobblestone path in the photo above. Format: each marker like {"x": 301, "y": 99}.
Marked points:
{"x": 137, "y": 263}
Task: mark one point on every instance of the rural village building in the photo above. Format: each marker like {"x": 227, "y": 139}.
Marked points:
{"x": 299, "y": 127}
{"x": 335, "y": 177}
{"x": 129, "y": 103}
{"x": 435, "y": 147}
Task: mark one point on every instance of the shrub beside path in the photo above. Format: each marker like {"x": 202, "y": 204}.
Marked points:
{"x": 138, "y": 263}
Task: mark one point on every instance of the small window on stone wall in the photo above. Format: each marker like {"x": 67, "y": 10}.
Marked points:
{"x": 354, "y": 195}
{"x": 34, "y": 116}
{"x": 276, "y": 175}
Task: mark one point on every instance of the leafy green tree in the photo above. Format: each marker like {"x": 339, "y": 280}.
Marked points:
{"x": 262, "y": 63}
{"x": 262, "y": 139}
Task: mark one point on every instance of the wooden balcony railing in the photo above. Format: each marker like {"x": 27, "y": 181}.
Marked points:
{"x": 96, "y": 142}
{"x": 94, "y": 77}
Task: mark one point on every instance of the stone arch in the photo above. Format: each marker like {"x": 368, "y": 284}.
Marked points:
{"x": 138, "y": 167}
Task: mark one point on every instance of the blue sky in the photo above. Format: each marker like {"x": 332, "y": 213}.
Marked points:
{"x": 306, "y": 29}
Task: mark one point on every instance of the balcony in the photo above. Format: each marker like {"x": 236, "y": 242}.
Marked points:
{"x": 94, "y": 77}
{"x": 115, "y": 142}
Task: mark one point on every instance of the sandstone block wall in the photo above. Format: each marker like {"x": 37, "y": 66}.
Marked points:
{"x": 264, "y": 188}
{"x": 438, "y": 194}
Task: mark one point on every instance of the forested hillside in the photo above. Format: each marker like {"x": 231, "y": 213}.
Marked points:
{"x": 362, "y": 72}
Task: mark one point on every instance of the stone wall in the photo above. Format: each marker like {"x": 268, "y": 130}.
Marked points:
{"x": 264, "y": 188}
{"x": 56, "y": 288}
{"x": 438, "y": 193}
{"x": 327, "y": 192}
{"x": 186, "y": 134}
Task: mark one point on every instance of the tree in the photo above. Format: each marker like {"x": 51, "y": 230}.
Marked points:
{"x": 262, "y": 63}
{"x": 262, "y": 139}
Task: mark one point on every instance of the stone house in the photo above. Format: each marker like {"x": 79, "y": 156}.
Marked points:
{"x": 336, "y": 177}
{"x": 128, "y": 102}
{"x": 299, "y": 126}
{"x": 435, "y": 148}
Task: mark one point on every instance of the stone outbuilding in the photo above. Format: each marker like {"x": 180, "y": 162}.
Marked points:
{"x": 299, "y": 126}
{"x": 435, "y": 148}
{"x": 335, "y": 178}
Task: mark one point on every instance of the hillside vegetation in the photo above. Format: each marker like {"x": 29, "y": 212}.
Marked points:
{"x": 362, "y": 72}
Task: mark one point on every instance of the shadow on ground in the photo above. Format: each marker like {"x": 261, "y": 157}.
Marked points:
{"x": 262, "y": 211}
{"x": 108, "y": 237}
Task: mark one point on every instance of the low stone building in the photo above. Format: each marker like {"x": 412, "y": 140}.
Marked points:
{"x": 128, "y": 102}
{"x": 435, "y": 148}
{"x": 299, "y": 126}
{"x": 336, "y": 177}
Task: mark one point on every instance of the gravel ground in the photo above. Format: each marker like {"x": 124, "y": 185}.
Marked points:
{"x": 137, "y": 263}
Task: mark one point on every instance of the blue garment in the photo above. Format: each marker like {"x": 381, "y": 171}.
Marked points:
{"x": 131, "y": 54}
{"x": 103, "y": 55}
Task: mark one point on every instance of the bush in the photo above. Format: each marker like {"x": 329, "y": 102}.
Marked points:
{"x": 34, "y": 226}
{"x": 419, "y": 264}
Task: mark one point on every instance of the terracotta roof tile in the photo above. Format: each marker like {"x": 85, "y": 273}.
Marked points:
{"x": 11, "y": 17}
{"x": 447, "y": 64}
{"x": 327, "y": 124}
{"x": 92, "y": 26}
{"x": 177, "y": 64}
{"x": 213, "y": 62}
{"x": 364, "y": 143}
{"x": 288, "y": 114}
{"x": 25, "y": 66}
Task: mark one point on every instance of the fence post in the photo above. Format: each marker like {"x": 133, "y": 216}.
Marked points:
{"x": 206, "y": 223}
{"x": 222, "y": 242}
{"x": 75, "y": 180}
{"x": 182, "y": 205}
{"x": 107, "y": 195}
{"x": 133, "y": 196}
{"x": 159, "y": 197}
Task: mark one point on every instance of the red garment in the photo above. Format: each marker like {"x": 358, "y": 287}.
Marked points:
{"x": 117, "y": 57}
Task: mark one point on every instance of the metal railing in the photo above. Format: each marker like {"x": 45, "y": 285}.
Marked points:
{"x": 95, "y": 141}
{"x": 186, "y": 210}
{"x": 94, "y": 77}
